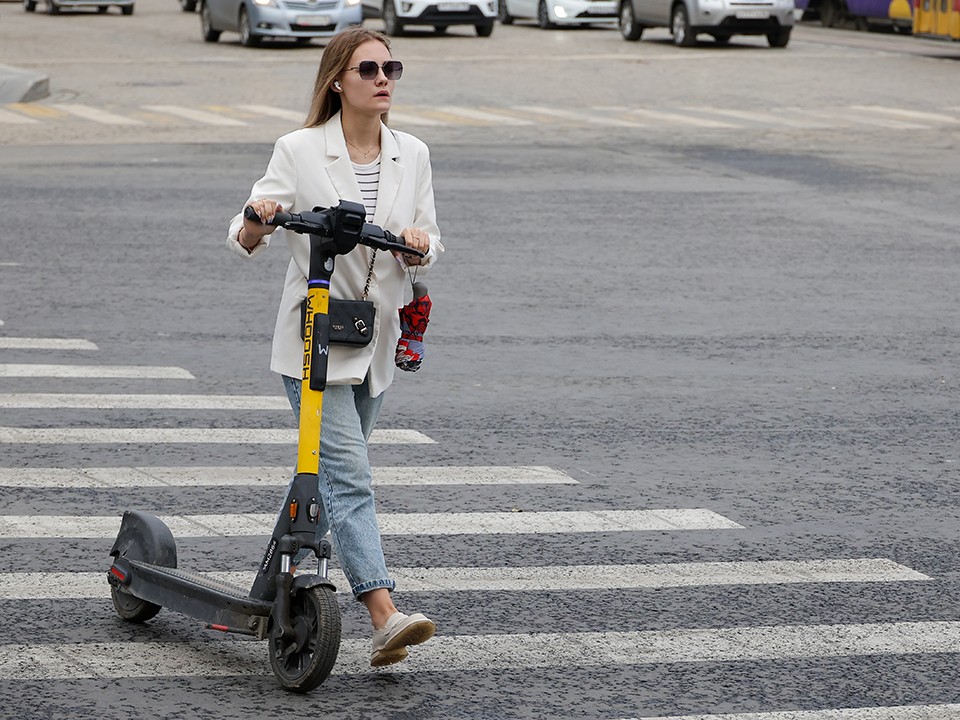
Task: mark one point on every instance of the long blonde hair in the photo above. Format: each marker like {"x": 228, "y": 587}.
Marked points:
{"x": 336, "y": 56}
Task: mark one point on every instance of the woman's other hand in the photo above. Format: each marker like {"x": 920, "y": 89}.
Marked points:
{"x": 252, "y": 231}
{"x": 415, "y": 239}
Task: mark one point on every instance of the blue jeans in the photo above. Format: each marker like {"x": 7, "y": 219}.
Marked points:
{"x": 346, "y": 482}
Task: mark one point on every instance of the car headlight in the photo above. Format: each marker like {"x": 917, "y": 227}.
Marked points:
{"x": 265, "y": 3}
{"x": 559, "y": 11}
{"x": 353, "y": 2}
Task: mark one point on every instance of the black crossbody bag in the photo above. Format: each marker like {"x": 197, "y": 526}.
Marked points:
{"x": 351, "y": 321}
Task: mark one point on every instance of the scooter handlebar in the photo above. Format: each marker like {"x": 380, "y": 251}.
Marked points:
{"x": 321, "y": 223}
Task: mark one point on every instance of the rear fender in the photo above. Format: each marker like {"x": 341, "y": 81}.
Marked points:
{"x": 146, "y": 538}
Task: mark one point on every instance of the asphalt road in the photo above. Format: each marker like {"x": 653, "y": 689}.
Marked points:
{"x": 757, "y": 321}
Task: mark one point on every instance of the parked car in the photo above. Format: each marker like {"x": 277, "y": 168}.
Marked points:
{"x": 398, "y": 14}
{"x": 55, "y": 6}
{"x": 257, "y": 20}
{"x": 719, "y": 18}
{"x": 553, "y": 13}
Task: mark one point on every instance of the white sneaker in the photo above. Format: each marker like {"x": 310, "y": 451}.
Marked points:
{"x": 390, "y": 643}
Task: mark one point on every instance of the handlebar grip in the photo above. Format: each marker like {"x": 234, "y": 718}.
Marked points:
{"x": 279, "y": 218}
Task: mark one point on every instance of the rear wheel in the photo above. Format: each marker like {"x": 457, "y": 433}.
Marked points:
{"x": 304, "y": 661}
{"x": 828, "y": 13}
{"x": 627, "y": 20}
{"x": 132, "y": 609}
{"x": 440, "y": 29}
{"x": 247, "y": 36}
{"x": 391, "y": 23}
{"x": 682, "y": 34}
{"x": 721, "y": 39}
{"x": 206, "y": 29}
{"x": 779, "y": 39}
{"x": 484, "y": 30}
{"x": 188, "y": 5}
{"x": 126, "y": 9}
{"x": 52, "y": 7}
{"x": 503, "y": 14}
{"x": 29, "y": 5}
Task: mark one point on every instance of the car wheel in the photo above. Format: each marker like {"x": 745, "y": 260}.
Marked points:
{"x": 247, "y": 36}
{"x": 721, "y": 39}
{"x": 52, "y": 7}
{"x": 503, "y": 14}
{"x": 779, "y": 39}
{"x": 206, "y": 29}
{"x": 543, "y": 16}
{"x": 828, "y": 13}
{"x": 29, "y": 5}
{"x": 440, "y": 29}
{"x": 102, "y": 9}
{"x": 391, "y": 23}
{"x": 627, "y": 20}
{"x": 682, "y": 35}
{"x": 188, "y": 5}
{"x": 126, "y": 9}
{"x": 485, "y": 30}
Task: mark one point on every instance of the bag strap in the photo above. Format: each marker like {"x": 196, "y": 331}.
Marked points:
{"x": 366, "y": 287}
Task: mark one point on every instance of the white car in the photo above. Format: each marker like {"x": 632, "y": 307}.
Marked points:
{"x": 55, "y": 6}
{"x": 718, "y": 18}
{"x": 397, "y": 14}
{"x": 553, "y": 13}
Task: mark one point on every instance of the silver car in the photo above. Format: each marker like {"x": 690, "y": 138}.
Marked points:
{"x": 55, "y": 6}
{"x": 719, "y": 18}
{"x": 256, "y": 20}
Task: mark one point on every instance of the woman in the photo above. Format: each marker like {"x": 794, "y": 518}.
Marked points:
{"x": 345, "y": 151}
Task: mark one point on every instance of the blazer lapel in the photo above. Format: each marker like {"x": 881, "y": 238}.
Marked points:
{"x": 391, "y": 172}
{"x": 339, "y": 167}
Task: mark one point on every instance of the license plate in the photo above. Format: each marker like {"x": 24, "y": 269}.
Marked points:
{"x": 602, "y": 10}
{"x": 313, "y": 20}
{"x": 453, "y": 7}
{"x": 753, "y": 14}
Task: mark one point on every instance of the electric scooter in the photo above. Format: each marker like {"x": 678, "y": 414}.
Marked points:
{"x": 298, "y": 615}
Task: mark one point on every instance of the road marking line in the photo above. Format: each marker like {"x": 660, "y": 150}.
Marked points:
{"x": 38, "y": 111}
{"x": 142, "y": 402}
{"x": 200, "y": 116}
{"x": 755, "y": 116}
{"x": 14, "y": 118}
{"x": 671, "y": 117}
{"x": 910, "y": 114}
{"x": 293, "y": 116}
{"x": 96, "y": 115}
{"x": 157, "y": 436}
{"x": 144, "y": 372}
{"x": 480, "y": 653}
{"x": 407, "y": 118}
{"x": 123, "y": 477}
{"x": 859, "y": 118}
{"x": 896, "y": 712}
{"x": 25, "y": 343}
{"x": 472, "y": 523}
{"x": 92, "y": 585}
{"x": 577, "y": 117}
{"x": 483, "y": 116}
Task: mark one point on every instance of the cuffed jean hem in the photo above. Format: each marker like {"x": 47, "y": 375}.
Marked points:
{"x": 360, "y": 589}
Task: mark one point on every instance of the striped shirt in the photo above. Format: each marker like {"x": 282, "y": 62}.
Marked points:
{"x": 368, "y": 178}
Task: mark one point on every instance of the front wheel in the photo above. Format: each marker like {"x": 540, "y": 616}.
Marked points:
{"x": 206, "y": 29}
{"x": 779, "y": 39}
{"x": 130, "y": 608}
{"x": 126, "y": 9}
{"x": 29, "y": 5}
{"x": 304, "y": 661}
{"x": 543, "y": 16}
{"x": 391, "y": 23}
{"x": 52, "y": 7}
{"x": 627, "y": 20}
{"x": 247, "y": 36}
{"x": 682, "y": 35}
{"x": 484, "y": 30}
{"x": 188, "y": 5}
{"x": 503, "y": 14}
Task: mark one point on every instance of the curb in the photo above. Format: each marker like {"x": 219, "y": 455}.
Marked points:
{"x": 18, "y": 85}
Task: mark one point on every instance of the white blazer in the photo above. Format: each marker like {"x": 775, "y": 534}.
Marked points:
{"x": 311, "y": 167}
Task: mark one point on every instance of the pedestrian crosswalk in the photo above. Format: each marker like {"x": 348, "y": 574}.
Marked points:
{"x": 102, "y": 649}
{"x": 659, "y": 118}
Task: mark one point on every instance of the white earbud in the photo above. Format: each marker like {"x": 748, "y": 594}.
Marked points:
{"x": 337, "y": 86}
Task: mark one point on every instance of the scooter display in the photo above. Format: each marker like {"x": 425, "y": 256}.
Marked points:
{"x": 298, "y": 616}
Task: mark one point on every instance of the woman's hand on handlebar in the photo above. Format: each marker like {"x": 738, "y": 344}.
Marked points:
{"x": 253, "y": 232}
{"x": 415, "y": 239}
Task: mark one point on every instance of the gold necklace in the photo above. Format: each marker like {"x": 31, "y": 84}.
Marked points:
{"x": 365, "y": 154}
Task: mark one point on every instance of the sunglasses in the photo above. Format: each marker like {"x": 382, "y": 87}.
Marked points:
{"x": 392, "y": 69}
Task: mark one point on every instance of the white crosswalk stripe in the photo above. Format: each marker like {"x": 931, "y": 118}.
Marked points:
{"x": 466, "y": 523}
{"x": 25, "y": 343}
{"x": 161, "y": 436}
{"x": 91, "y": 401}
{"x": 133, "y": 477}
{"x": 899, "y": 712}
{"x": 14, "y": 370}
{"x": 96, "y": 114}
{"x": 91, "y": 585}
{"x": 474, "y": 653}
{"x": 199, "y": 116}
